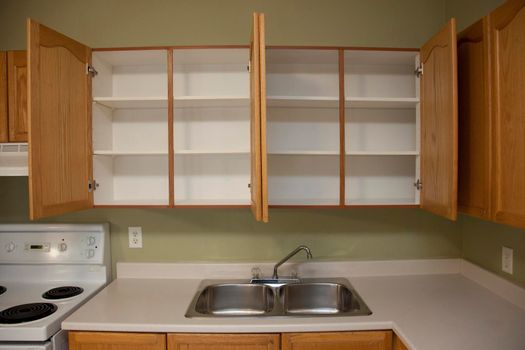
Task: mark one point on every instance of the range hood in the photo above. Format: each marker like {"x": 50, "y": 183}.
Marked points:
{"x": 13, "y": 159}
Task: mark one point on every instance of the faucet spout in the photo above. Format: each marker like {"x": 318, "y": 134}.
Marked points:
{"x": 292, "y": 253}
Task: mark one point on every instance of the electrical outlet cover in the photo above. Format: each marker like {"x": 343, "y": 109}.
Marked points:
{"x": 507, "y": 259}
{"x": 135, "y": 236}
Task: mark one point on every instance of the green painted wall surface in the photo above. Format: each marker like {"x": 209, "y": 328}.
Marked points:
{"x": 469, "y": 11}
{"x": 111, "y": 23}
{"x": 482, "y": 242}
{"x": 233, "y": 235}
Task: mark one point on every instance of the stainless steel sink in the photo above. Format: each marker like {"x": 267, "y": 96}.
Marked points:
{"x": 235, "y": 299}
{"x": 321, "y": 298}
{"x": 305, "y": 297}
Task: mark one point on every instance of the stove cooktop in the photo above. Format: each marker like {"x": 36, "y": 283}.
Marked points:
{"x": 62, "y": 292}
{"x": 26, "y": 313}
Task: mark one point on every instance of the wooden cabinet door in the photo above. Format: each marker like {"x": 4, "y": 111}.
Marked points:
{"x": 439, "y": 129}
{"x": 60, "y": 166}
{"x": 116, "y": 341}
{"x": 3, "y": 97}
{"x": 377, "y": 340}
{"x": 507, "y": 36}
{"x": 474, "y": 162}
{"x": 259, "y": 177}
{"x": 197, "y": 341}
{"x": 17, "y": 95}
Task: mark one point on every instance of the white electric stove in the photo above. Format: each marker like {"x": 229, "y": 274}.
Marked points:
{"x": 46, "y": 272}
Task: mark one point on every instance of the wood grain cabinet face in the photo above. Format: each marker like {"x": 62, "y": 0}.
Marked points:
{"x": 197, "y": 341}
{"x": 17, "y": 95}
{"x": 474, "y": 121}
{"x": 376, "y": 340}
{"x": 116, "y": 341}
{"x": 3, "y": 98}
{"x": 507, "y": 37}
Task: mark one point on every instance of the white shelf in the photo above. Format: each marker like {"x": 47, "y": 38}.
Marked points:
{"x": 132, "y": 102}
{"x": 382, "y": 153}
{"x": 138, "y": 201}
{"x": 381, "y": 201}
{"x": 13, "y": 159}
{"x": 305, "y": 201}
{"x": 304, "y": 153}
{"x": 382, "y": 102}
{"x": 130, "y": 153}
{"x": 303, "y": 101}
{"x": 211, "y": 101}
{"x": 190, "y": 152}
{"x": 226, "y": 201}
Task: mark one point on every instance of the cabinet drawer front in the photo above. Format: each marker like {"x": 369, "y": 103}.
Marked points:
{"x": 377, "y": 340}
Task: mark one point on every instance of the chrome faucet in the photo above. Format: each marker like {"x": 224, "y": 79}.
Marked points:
{"x": 286, "y": 258}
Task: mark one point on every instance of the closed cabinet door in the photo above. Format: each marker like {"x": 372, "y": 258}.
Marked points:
{"x": 17, "y": 95}
{"x": 116, "y": 341}
{"x": 439, "y": 123}
{"x": 59, "y": 110}
{"x": 507, "y": 36}
{"x": 4, "y": 134}
{"x": 197, "y": 341}
{"x": 377, "y": 340}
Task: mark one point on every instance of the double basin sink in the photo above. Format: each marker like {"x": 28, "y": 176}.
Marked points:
{"x": 305, "y": 297}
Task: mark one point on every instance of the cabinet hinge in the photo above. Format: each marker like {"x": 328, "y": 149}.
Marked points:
{"x": 419, "y": 70}
{"x": 90, "y": 70}
{"x": 418, "y": 184}
{"x": 249, "y": 66}
{"x": 92, "y": 186}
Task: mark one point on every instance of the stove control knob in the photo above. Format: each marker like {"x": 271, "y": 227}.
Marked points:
{"x": 10, "y": 247}
{"x": 62, "y": 247}
{"x": 91, "y": 240}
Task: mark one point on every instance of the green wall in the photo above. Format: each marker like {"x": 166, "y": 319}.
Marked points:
{"x": 232, "y": 234}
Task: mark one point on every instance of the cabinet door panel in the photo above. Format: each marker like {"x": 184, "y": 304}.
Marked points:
{"x": 474, "y": 121}
{"x": 507, "y": 33}
{"x": 259, "y": 177}
{"x": 17, "y": 95}
{"x": 59, "y": 123}
{"x": 380, "y": 340}
{"x": 116, "y": 341}
{"x": 439, "y": 123}
{"x": 3, "y": 97}
{"x": 223, "y": 341}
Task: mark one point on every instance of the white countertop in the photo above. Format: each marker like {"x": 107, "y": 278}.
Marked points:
{"x": 443, "y": 309}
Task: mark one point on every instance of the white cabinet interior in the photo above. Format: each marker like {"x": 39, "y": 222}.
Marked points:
{"x": 381, "y": 127}
{"x": 303, "y": 126}
{"x": 211, "y": 126}
{"x": 130, "y": 136}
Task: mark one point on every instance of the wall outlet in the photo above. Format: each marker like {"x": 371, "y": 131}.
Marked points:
{"x": 135, "y": 237}
{"x": 506, "y": 259}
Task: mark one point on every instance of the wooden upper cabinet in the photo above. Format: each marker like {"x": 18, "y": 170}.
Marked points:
{"x": 116, "y": 341}
{"x": 59, "y": 110}
{"x": 197, "y": 341}
{"x": 17, "y": 95}
{"x": 377, "y": 340}
{"x": 439, "y": 130}
{"x": 474, "y": 187}
{"x": 259, "y": 178}
{"x": 507, "y": 37}
{"x": 3, "y": 97}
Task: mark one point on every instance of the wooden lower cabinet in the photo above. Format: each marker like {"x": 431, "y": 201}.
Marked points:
{"x": 197, "y": 341}
{"x": 364, "y": 340}
{"x": 116, "y": 341}
{"x": 376, "y": 340}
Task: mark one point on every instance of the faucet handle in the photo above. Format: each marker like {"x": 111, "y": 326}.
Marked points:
{"x": 256, "y": 273}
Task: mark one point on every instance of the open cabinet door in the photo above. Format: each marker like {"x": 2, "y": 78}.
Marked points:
{"x": 439, "y": 123}
{"x": 259, "y": 178}
{"x": 59, "y": 111}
